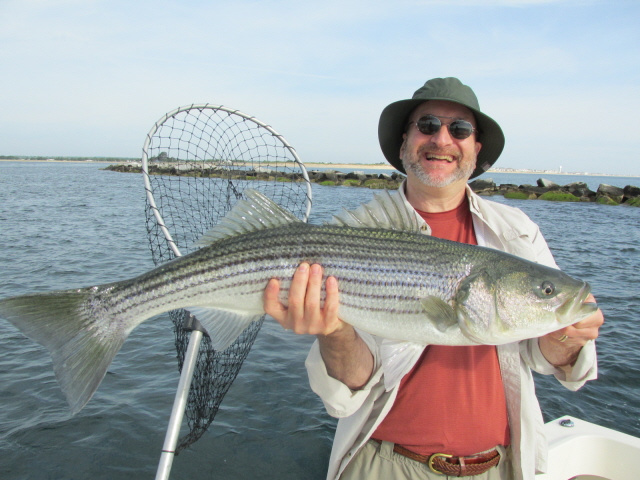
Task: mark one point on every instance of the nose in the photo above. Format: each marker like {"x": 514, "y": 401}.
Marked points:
{"x": 442, "y": 137}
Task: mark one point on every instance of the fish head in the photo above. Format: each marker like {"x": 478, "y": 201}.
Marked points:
{"x": 513, "y": 299}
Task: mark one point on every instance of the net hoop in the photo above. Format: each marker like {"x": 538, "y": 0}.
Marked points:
{"x": 145, "y": 161}
{"x": 196, "y": 161}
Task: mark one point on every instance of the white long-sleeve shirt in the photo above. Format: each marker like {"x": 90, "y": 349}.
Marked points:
{"x": 360, "y": 412}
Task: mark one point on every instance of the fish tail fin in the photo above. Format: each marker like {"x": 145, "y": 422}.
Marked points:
{"x": 80, "y": 340}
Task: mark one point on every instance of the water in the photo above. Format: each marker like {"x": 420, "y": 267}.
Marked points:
{"x": 67, "y": 225}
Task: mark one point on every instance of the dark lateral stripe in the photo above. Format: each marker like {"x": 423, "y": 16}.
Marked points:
{"x": 246, "y": 260}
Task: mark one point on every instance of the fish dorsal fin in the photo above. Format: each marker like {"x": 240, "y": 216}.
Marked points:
{"x": 252, "y": 213}
{"x": 383, "y": 213}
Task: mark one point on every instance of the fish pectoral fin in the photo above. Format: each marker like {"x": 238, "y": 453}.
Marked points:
{"x": 440, "y": 312}
{"x": 223, "y": 326}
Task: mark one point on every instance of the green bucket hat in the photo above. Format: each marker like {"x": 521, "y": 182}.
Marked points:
{"x": 393, "y": 121}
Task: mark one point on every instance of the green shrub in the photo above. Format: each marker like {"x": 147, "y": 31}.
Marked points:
{"x": 375, "y": 183}
{"x": 604, "y": 200}
{"x": 517, "y": 195}
{"x": 559, "y": 197}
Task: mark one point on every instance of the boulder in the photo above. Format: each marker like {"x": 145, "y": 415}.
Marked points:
{"x": 610, "y": 190}
{"x": 614, "y": 193}
{"x": 631, "y": 191}
{"x": 357, "y": 175}
{"x": 580, "y": 189}
{"x": 313, "y": 174}
{"x": 606, "y": 200}
{"x": 535, "y": 189}
{"x": 483, "y": 185}
{"x": 544, "y": 183}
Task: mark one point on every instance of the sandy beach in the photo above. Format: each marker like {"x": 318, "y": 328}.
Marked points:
{"x": 351, "y": 166}
{"x": 313, "y": 166}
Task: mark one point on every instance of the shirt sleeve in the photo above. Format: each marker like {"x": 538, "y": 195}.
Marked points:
{"x": 586, "y": 366}
{"x": 572, "y": 377}
{"x": 339, "y": 400}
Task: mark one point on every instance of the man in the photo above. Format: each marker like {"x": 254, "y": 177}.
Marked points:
{"x": 459, "y": 411}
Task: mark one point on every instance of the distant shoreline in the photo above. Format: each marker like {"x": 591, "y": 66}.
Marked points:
{"x": 54, "y": 160}
{"x": 380, "y": 166}
{"x": 315, "y": 165}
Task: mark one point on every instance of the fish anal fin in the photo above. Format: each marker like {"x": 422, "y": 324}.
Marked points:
{"x": 223, "y": 326}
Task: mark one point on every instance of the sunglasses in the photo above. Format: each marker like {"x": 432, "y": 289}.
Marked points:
{"x": 458, "y": 129}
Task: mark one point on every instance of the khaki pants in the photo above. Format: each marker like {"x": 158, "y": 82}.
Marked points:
{"x": 379, "y": 461}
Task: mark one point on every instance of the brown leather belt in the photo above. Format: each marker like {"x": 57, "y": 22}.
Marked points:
{"x": 445, "y": 464}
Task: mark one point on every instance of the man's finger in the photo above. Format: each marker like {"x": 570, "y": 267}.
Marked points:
{"x": 272, "y": 305}
{"x": 298, "y": 292}
{"x": 314, "y": 287}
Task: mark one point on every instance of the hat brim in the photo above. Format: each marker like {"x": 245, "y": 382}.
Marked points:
{"x": 393, "y": 121}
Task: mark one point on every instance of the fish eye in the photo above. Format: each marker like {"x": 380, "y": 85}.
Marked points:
{"x": 547, "y": 288}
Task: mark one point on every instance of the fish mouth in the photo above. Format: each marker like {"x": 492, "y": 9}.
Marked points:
{"x": 575, "y": 309}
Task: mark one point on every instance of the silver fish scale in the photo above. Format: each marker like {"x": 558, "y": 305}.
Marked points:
{"x": 381, "y": 272}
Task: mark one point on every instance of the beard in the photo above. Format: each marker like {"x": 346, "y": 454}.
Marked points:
{"x": 463, "y": 171}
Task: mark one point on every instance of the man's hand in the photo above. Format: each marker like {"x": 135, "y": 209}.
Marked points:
{"x": 562, "y": 347}
{"x": 346, "y": 356}
{"x": 304, "y": 313}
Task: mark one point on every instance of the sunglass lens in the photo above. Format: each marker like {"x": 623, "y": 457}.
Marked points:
{"x": 428, "y": 124}
{"x": 460, "y": 129}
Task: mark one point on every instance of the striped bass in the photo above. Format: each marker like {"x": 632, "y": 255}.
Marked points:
{"x": 394, "y": 282}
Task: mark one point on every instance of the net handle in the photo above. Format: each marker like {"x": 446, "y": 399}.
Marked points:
{"x": 177, "y": 412}
{"x": 208, "y": 106}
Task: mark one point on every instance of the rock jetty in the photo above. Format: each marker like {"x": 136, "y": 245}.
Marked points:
{"x": 543, "y": 190}
{"x": 572, "y": 192}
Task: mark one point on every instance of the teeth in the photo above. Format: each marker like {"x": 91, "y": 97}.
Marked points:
{"x": 440, "y": 157}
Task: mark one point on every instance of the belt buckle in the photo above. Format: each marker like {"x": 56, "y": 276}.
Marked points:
{"x": 432, "y": 459}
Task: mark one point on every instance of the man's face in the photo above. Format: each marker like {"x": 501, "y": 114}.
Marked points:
{"x": 439, "y": 160}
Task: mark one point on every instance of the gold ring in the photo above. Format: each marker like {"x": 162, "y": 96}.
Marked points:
{"x": 563, "y": 338}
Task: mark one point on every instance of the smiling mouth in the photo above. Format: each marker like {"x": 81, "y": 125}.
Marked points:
{"x": 439, "y": 158}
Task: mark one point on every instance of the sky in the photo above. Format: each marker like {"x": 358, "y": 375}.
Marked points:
{"x": 91, "y": 77}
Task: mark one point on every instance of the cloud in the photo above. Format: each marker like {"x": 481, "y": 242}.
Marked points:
{"x": 90, "y": 77}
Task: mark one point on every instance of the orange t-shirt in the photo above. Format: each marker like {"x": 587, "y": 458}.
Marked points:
{"x": 453, "y": 400}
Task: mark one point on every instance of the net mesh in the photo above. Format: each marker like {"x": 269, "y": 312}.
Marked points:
{"x": 199, "y": 159}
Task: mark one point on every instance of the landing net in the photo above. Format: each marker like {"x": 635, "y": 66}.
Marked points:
{"x": 196, "y": 162}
